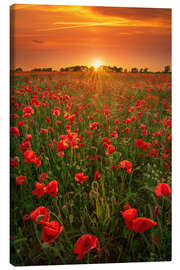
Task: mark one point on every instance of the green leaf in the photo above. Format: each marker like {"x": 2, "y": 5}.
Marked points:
{"x": 45, "y": 245}
{"x": 39, "y": 218}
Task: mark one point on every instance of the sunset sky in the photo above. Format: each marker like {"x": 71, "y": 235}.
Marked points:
{"x": 59, "y": 36}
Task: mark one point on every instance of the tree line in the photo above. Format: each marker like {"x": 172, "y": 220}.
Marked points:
{"x": 100, "y": 68}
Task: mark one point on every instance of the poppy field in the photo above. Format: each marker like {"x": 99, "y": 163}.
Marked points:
{"x": 90, "y": 168}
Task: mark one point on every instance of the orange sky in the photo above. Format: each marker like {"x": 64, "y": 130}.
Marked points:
{"x": 59, "y": 36}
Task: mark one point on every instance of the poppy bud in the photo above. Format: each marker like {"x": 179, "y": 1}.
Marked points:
{"x": 155, "y": 212}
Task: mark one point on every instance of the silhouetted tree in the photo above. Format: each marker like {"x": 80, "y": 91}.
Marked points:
{"x": 166, "y": 69}
{"x": 18, "y": 69}
{"x": 91, "y": 69}
{"x": 115, "y": 69}
{"x": 134, "y": 70}
{"x": 42, "y": 69}
{"x": 145, "y": 70}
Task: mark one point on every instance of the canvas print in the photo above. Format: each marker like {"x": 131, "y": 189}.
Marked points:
{"x": 90, "y": 135}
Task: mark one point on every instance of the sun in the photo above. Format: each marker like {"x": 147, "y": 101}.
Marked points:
{"x": 97, "y": 63}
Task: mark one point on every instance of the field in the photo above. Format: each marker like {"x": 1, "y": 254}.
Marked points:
{"x": 90, "y": 157}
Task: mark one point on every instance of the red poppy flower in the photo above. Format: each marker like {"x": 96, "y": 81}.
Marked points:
{"x": 52, "y": 188}
{"x": 48, "y": 120}
{"x": 79, "y": 177}
{"x": 28, "y": 137}
{"x": 51, "y": 231}
{"x": 13, "y": 162}
{"x": 40, "y": 190}
{"x": 26, "y": 115}
{"x": 29, "y": 155}
{"x": 43, "y": 177}
{"x": 126, "y": 165}
{"x": 28, "y": 110}
{"x": 154, "y": 152}
{"x": 142, "y": 224}
{"x": 62, "y": 145}
{"x": 42, "y": 130}
{"x": 56, "y": 111}
{"x": 158, "y": 134}
{"x": 170, "y": 138}
{"x": 114, "y": 134}
{"x": 144, "y": 133}
{"x": 37, "y": 161}
{"x": 139, "y": 143}
{"x": 115, "y": 167}
{"x": 74, "y": 144}
{"x": 20, "y": 123}
{"x": 15, "y": 131}
{"x": 82, "y": 144}
{"x": 97, "y": 175}
{"x": 20, "y": 180}
{"x": 24, "y": 146}
{"x": 58, "y": 122}
{"x": 129, "y": 215}
{"x": 39, "y": 212}
{"x": 146, "y": 146}
{"x": 162, "y": 189}
{"x": 51, "y": 129}
{"x": 60, "y": 154}
{"x": 93, "y": 125}
{"x": 14, "y": 115}
{"x": 84, "y": 244}
{"x": 110, "y": 149}
{"x": 106, "y": 142}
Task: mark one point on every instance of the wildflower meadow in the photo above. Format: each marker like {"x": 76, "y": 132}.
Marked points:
{"x": 90, "y": 167}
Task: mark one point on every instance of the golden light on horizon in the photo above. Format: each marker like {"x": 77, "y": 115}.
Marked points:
{"x": 97, "y": 63}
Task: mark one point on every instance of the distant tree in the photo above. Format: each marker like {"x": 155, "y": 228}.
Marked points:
{"x": 84, "y": 68}
{"x": 115, "y": 69}
{"x": 36, "y": 69}
{"x": 125, "y": 70}
{"x": 18, "y": 69}
{"x": 111, "y": 69}
{"x": 166, "y": 69}
{"x": 145, "y": 70}
{"x": 134, "y": 70}
{"x": 91, "y": 69}
{"x": 46, "y": 69}
{"x": 141, "y": 70}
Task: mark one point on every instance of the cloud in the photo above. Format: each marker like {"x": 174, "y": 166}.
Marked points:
{"x": 139, "y": 14}
{"x": 37, "y": 41}
{"x": 78, "y": 25}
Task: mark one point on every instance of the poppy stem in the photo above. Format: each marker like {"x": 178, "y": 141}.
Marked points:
{"x": 71, "y": 159}
{"x": 37, "y": 236}
{"x": 59, "y": 218}
{"x": 88, "y": 258}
